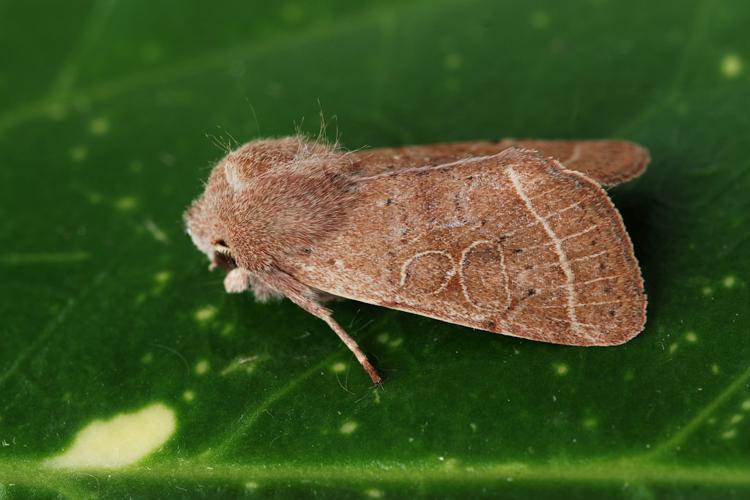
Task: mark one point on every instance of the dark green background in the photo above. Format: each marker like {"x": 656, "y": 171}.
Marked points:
{"x": 109, "y": 117}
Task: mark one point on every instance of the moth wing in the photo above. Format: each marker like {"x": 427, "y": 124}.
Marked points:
{"x": 512, "y": 243}
{"x": 609, "y": 162}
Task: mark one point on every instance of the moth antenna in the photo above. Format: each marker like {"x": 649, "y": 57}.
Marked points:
{"x": 337, "y": 136}
{"x": 255, "y": 116}
{"x": 215, "y": 141}
{"x": 321, "y": 139}
{"x": 233, "y": 140}
{"x": 298, "y": 127}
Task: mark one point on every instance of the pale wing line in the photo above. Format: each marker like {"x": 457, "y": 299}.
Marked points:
{"x": 565, "y": 238}
{"x": 425, "y": 168}
{"x": 577, "y": 283}
{"x": 575, "y": 156}
{"x": 554, "y": 213}
{"x": 562, "y": 210}
{"x": 537, "y": 196}
{"x": 518, "y": 230}
{"x": 447, "y": 277}
{"x": 564, "y": 264}
{"x": 556, "y": 264}
{"x": 463, "y": 284}
{"x": 606, "y": 302}
{"x": 522, "y": 307}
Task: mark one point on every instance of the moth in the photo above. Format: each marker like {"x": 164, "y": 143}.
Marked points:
{"x": 516, "y": 237}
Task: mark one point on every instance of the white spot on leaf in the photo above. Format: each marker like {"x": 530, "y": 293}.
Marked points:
{"x": 453, "y": 61}
{"x": 99, "y": 126}
{"x": 539, "y": 20}
{"x": 561, "y": 369}
{"x": 78, "y": 153}
{"x": 120, "y": 441}
{"x": 126, "y": 203}
{"x": 731, "y": 66}
{"x": 205, "y": 314}
{"x": 162, "y": 277}
{"x": 348, "y": 427}
{"x": 729, "y": 281}
{"x": 202, "y": 367}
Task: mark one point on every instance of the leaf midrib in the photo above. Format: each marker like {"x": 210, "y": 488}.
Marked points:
{"x": 626, "y": 470}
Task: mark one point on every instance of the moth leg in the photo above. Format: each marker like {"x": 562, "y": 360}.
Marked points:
{"x": 324, "y": 297}
{"x": 306, "y": 298}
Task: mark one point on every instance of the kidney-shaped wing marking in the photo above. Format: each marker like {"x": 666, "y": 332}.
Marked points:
{"x": 511, "y": 243}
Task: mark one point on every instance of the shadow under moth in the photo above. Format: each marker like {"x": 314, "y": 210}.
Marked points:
{"x": 515, "y": 236}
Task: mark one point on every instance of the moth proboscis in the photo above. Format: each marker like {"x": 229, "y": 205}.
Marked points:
{"x": 514, "y": 236}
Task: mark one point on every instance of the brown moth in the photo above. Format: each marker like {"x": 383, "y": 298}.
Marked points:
{"x": 511, "y": 237}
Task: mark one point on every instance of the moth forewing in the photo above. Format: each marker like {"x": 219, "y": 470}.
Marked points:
{"x": 608, "y": 162}
{"x": 511, "y": 243}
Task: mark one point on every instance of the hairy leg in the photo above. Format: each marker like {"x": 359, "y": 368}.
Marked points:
{"x": 307, "y": 299}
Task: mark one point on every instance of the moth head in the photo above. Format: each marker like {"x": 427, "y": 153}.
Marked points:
{"x": 268, "y": 198}
{"x": 208, "y": 223}
{"x": 270, "y": 156}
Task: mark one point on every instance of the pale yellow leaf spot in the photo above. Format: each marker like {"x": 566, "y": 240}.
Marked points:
{"x": 79, "y": 153}
{"x": 731, "y": 66}
{"x": 99, "y": 126}
{"x": 729, "y": 434}
{"x": 135, "y": 166}
{"x": 126, "y": 203}
{"x": 120, "y": 441}
{"x": 162, "y": 277}
{"x": 151, "y": 52}
{"x": 205, "y": 314}
{"x": 202, "y": 367}
{"x": 396, "y": 342}
{"x": 348, "y": 427}
{"x": 539, "y": 20}
{"x": 561, "y": 369}
{"x": 453, "y": 61}
{"x": 729, "y": 281}
{"x": 590, "y": 423}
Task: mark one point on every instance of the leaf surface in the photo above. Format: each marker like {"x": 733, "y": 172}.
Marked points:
{"x": 110, "y": 117}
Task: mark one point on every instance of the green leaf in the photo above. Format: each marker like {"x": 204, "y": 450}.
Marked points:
{"x": 118, "y": 346}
